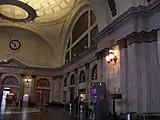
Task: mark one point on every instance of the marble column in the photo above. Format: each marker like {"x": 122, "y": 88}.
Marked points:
{"x": 22, "y": 86}
{"x": 123, "y": 73}
{"x": 68, "y": 86}
{"x": 76, "y": 82}
{"x": 33, "y": 89}
{"x": 138, "y": 71}
{"x": 101, "y": 56}
{"x": 1, "y": 83}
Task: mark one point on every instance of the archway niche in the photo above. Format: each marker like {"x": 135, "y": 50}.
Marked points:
{"x": 9, "y": 85}
{"x": 42, "y": 91}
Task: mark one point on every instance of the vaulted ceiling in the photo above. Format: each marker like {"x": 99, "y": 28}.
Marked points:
{"x": 52, "y": 23}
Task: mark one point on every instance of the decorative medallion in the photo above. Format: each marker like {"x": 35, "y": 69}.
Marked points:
{"x": 14, "y": 44}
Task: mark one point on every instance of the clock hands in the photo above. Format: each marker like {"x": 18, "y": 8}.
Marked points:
{"x": 14, "y": 44}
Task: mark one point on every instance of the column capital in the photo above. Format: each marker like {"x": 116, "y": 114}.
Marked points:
{"x": 76, "y": 70}
{"x": 87, "y": 65}
{"x": 34, "y": 76}
{"x": 58, "y": 76}
{"x": 102, "y": 53}
{"x": 67, "y": 74}
{"x": 22, "y": 75}
{"x": 122, "y": 43}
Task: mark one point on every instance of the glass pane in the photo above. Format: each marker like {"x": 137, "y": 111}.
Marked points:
{"x": 67, "y": 57}
{"x": 93, "y": 18}
{"x": 80, "y": 27}
{"x": 68, "y": 44}
{"x": 80, "y": 47}
{"x": 94, "y": 33}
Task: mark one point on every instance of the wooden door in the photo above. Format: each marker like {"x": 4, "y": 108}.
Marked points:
{"x": 42, "y": 97}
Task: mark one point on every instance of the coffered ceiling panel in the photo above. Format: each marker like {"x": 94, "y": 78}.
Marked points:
{"x": 47, "y": 10}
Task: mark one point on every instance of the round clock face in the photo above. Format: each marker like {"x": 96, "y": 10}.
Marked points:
{"x": 14, "y": 44}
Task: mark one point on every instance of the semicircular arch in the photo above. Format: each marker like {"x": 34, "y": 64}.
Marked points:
{"x": 10, "y": 81}
{"x": 43, "y": 83}
{"x": 76, "y": 13}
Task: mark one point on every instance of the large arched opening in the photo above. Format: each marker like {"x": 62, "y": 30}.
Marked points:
{"x": 42, "y": 91}
{"x": 10, "y": 91}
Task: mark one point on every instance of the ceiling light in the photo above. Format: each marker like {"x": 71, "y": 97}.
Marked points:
{"x": 17, "y": 5}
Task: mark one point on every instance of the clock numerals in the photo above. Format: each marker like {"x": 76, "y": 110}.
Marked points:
{"x": 14, "y": 44}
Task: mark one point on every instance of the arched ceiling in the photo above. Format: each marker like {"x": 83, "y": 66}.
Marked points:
{"x": 51, "y": 26}
{"x": 47, "y": 10}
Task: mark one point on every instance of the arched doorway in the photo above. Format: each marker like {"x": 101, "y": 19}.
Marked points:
{"x": 42, "y": 91}
{"x": 10, "y": 90}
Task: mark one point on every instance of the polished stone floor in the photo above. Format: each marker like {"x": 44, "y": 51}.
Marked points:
{"x": 34, "y": 114}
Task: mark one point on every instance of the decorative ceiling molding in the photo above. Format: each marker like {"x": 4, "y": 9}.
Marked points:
{"x": 30, "y": 13}
{"x": 44, "y": 10}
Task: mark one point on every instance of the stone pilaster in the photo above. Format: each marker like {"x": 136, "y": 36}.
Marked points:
{"x": 101, "y": 57}
{"x": 87, "y": 82}
{"x": 22, "y": 86}
{"x": 68, "y": 90}
{"x": 1, "y": 83}
{"x": 123, "y": 73}
{"x": 76, "y": 82}
{"x": 138, "y": 61}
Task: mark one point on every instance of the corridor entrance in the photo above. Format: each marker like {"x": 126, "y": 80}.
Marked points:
{"x": 9, "y": 91}
{"x": 42, "y": 92}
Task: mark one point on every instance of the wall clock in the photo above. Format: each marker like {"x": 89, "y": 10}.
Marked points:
{"x": 14, "y": 44}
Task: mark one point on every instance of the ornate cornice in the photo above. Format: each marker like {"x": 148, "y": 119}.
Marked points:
{"x": 57, "y": 76}
{"x": 81, "y": 56}
{"x": 141, "y": 37}
{"x": 130, "y": 15}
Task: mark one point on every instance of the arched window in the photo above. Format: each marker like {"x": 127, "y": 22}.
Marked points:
{"x": 10, "y": 80}
{"x": 72, "y": 79}
{"x": 43, "y": 82}
{"x": 82, "y": 35}
{"x": 65, "y": 82}
{"x": 82, "y": 76}
{"x": 112, "y": 6}
{"x": 94, "y": 72}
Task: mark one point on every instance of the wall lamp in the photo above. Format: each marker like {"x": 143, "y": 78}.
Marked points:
{"x": 111, "y": 57}
{"x": 27, "y": 80}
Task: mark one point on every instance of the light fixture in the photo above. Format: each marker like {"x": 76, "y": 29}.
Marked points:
{"x": 5, "y": 60}
{"x": 27, "y": 80}
{"x": 111, "y": 57}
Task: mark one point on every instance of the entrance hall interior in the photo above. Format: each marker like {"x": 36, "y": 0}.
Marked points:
{"x": 53, "y": 53}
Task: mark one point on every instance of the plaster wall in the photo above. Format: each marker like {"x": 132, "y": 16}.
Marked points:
{"x": 33, "y": 52}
